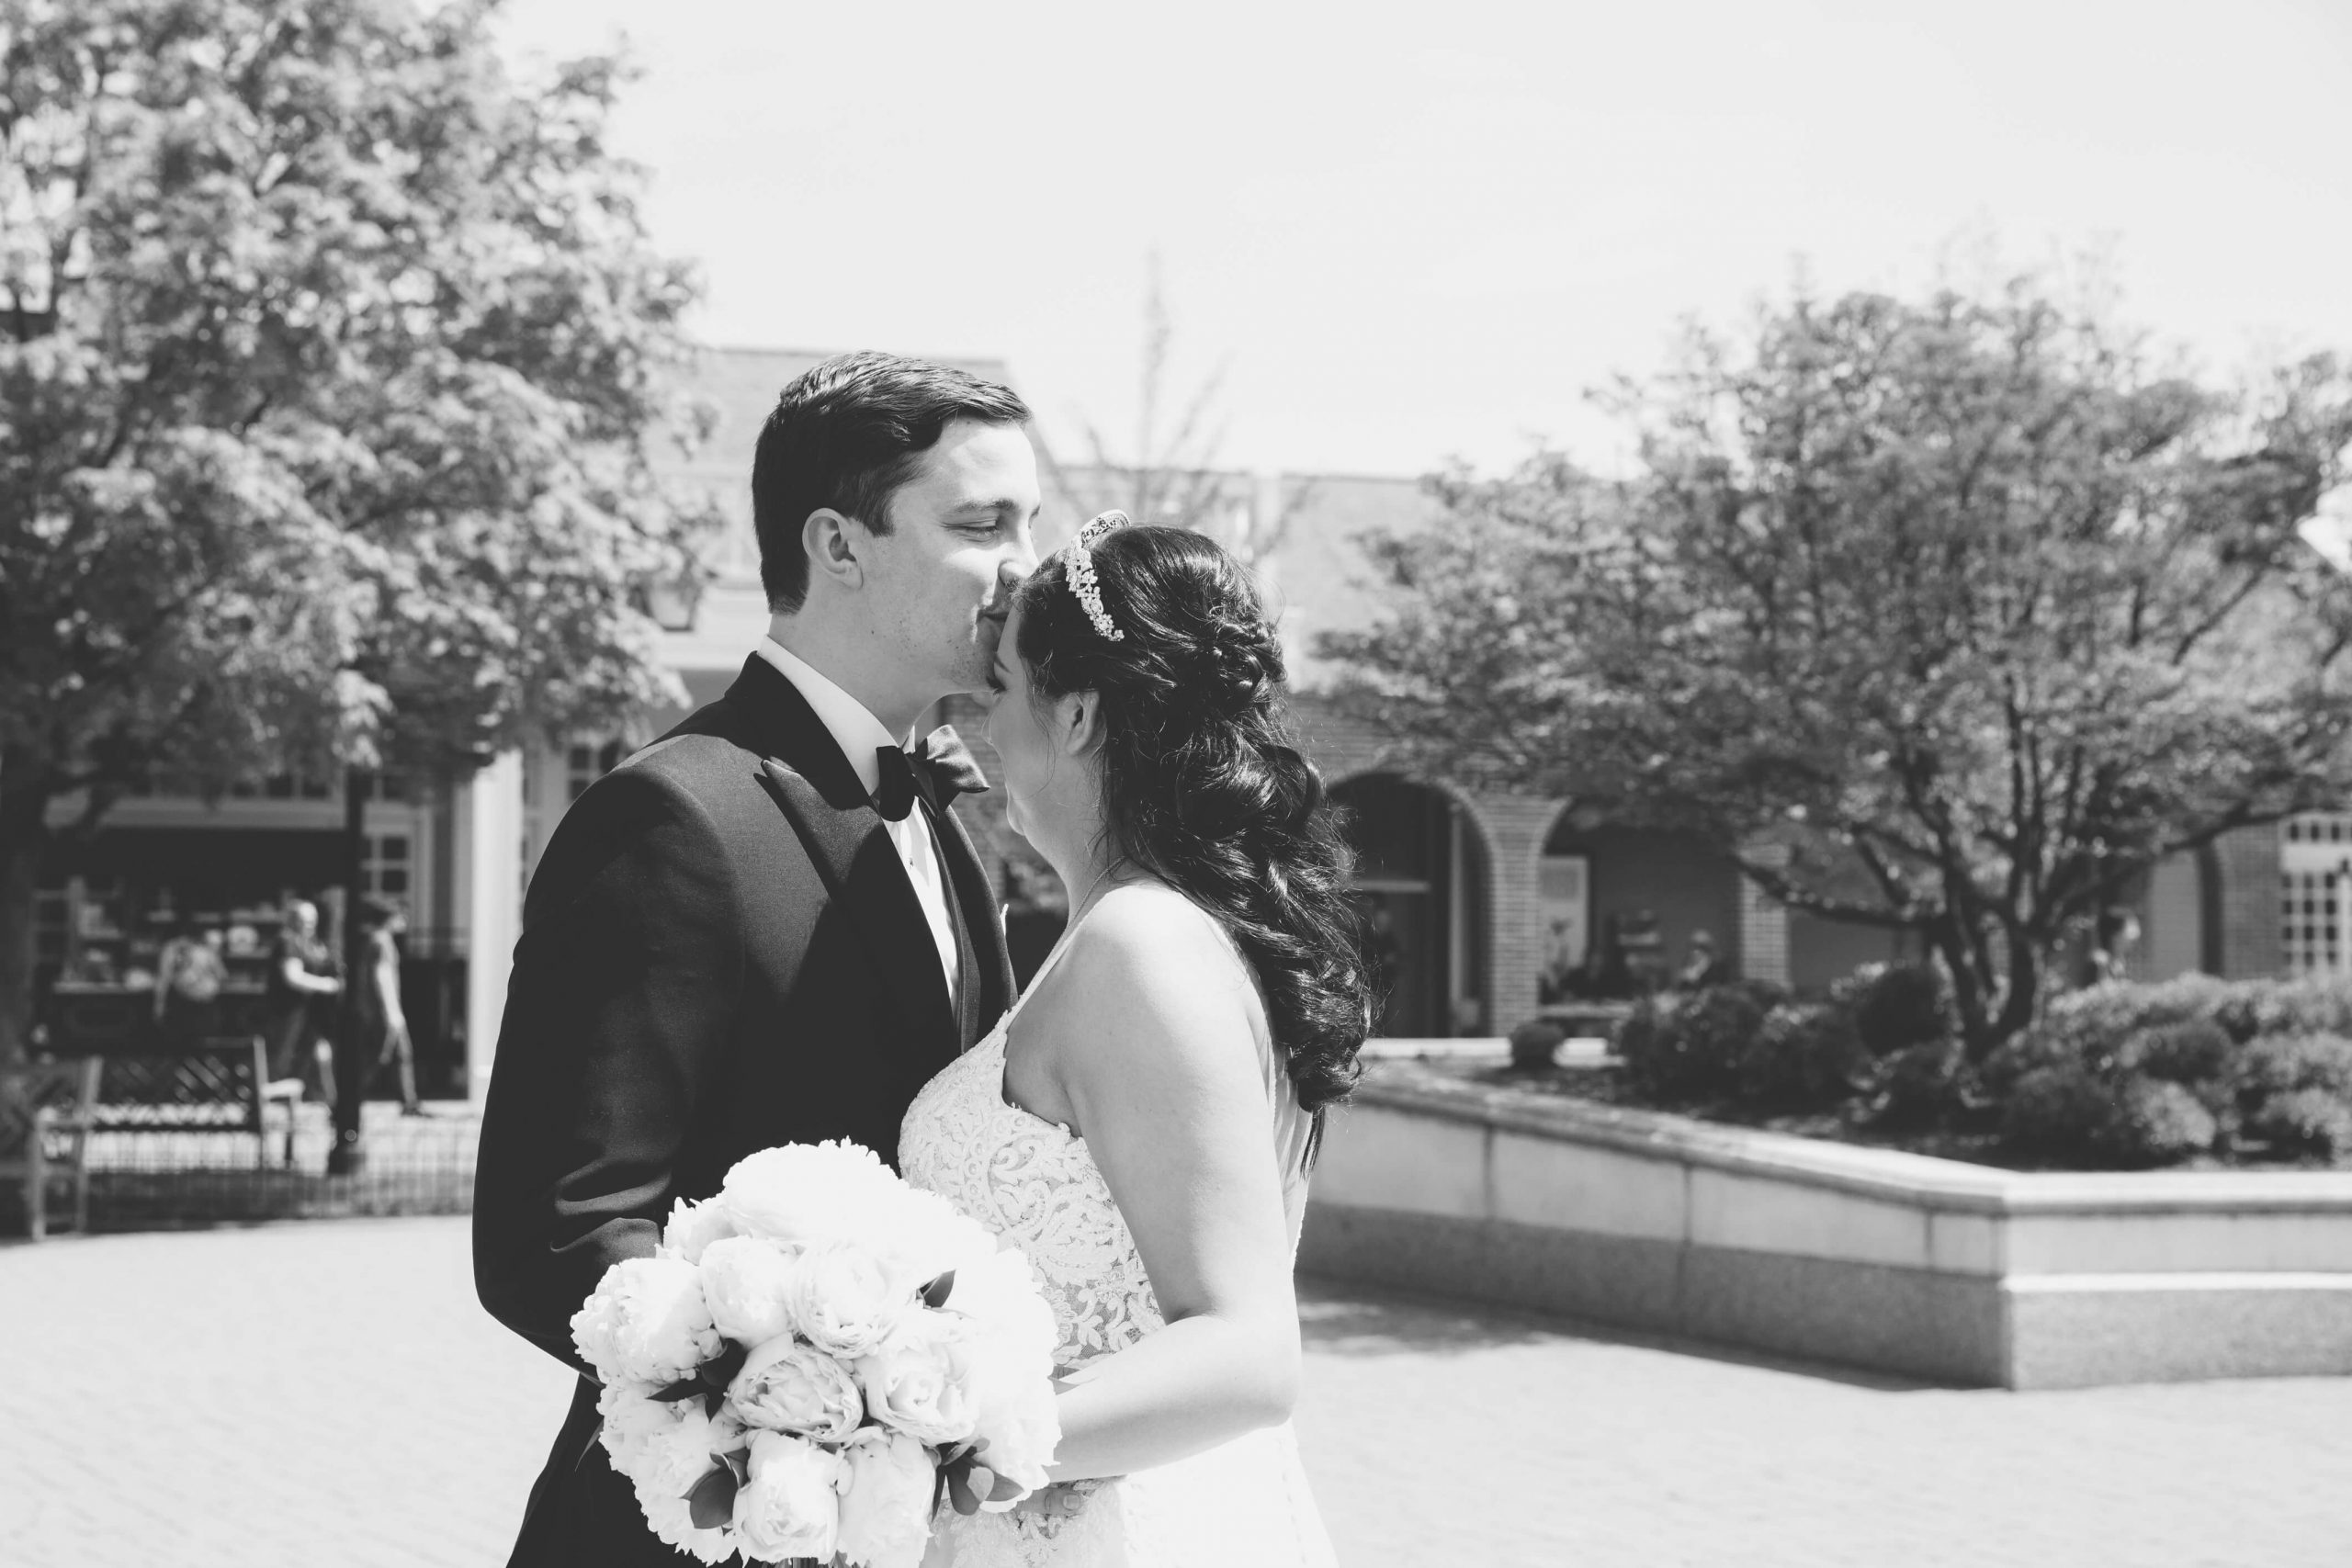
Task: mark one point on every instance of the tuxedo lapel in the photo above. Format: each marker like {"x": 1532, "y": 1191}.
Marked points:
{"x": 988, "y": 979}
{"x": 820, "y": 794}
{"x": 853, "y": 853}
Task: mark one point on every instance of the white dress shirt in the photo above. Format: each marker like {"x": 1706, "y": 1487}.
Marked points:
{"x": 859, "y": 734}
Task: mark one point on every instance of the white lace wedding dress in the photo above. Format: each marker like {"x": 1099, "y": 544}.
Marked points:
{"x": 1242, "y": 1505}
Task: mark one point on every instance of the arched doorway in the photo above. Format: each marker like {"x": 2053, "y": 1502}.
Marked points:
{"x": 1422, "y": 875}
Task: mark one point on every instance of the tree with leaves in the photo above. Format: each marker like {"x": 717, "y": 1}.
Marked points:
{"x": 331, "y": 363}
{"x": 1951, "y": 617}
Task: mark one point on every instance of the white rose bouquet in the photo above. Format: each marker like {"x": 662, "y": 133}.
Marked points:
{"x": 813, "y": 1358}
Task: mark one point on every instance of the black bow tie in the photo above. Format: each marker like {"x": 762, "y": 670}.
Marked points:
{"x": 939, "y": 768}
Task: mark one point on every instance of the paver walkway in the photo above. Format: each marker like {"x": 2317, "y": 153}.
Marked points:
{"x": 328, "y": 1393}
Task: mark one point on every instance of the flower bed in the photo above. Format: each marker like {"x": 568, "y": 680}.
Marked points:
{"x": 2194, "y": 1072}
{"x": 1879, "y": 1258}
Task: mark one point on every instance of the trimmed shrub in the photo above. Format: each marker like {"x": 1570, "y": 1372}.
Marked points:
{"x": 2194, "y": 1051}
{"x": 1921, "y": 1084}
{"x": 2089, "y": 1027}
{"x": 2310, "y": 1006}
{"x": 2057, "y": 1112}
{"x": 1805, "y": 1057}
{"x": 2303, "y": 1121}
{"x": 1896, "y": 1006}
{"x": 2038, "y": 1049}
{"x": 2156, "y": 1121}
{"x": 1681, "y": 1046}
{"x": 1649, "y": 1042}
{"x": 2285, "y": 1064}
{"x": 1534, "y": 1043}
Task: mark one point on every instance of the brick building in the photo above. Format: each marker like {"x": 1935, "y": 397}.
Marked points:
{"x": 1487, "y": 899}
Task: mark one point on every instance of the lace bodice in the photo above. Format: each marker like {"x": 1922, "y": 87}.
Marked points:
{"x": 1035, "y": 1185}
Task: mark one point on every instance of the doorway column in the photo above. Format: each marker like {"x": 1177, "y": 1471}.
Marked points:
{"x": 1516, "y": 827}
{"x": 492, "y": 819}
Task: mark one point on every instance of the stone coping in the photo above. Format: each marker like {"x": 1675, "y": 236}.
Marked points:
{"x": 1923, "y": 1180}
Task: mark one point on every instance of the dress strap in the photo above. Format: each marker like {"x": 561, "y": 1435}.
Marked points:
{"x": 1061, "y": 945}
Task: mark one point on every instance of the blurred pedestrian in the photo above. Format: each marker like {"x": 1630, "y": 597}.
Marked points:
{"x": 1705, "y": 966}
{"x": 376, "y": 1030}
{"x": 300, "y": 1017}
{"x": 383, "y": 1020}
{"x": 189, "y": 977}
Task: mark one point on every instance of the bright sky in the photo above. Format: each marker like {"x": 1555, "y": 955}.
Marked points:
{"x": 1412, "y": 232}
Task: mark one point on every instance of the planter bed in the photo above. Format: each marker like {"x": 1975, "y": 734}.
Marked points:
{"x": 1606, "y": 1085}
{"x": 1874, "y": 1257}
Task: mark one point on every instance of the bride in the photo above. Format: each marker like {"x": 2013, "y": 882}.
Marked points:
{"x": 1141, "y": 1124}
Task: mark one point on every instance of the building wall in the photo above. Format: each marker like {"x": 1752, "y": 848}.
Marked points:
{"x": 2248, "y": 863}
{"x": 1823, "y": 952}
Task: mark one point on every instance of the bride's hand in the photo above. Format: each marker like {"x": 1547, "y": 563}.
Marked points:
{"x": 1061, "y": 1500}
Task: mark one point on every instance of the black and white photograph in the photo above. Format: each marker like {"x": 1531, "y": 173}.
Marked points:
{"x": 1216, "y": 786}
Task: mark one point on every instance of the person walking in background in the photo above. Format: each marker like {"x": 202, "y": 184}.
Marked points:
{"x": 1705, "y": 966}
{"x": 189, "y": 977}
{"x": 375, "y": 1031}
{"x": 301, "y": 979}
{"x": 383, "y": 1022}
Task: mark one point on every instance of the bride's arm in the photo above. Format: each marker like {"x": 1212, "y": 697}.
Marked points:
{"x": 1153, "y": 1050}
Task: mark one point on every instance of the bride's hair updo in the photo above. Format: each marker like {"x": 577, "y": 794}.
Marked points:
{"x": 1203, "y": 785}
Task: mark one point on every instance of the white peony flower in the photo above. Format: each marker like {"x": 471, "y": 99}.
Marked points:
{"x": 809, "y": 1192}
{"x": 663, "y": 1447}
{"x": 844, "y": 1301}
{"x": 672, "y": 1522}
{"x": 918, "y": 1382}
{"x": 791, "y": 1505}
{"x": 886, "y": 1500}
{"x": 694, "y": 1226}
{"x": 786, "y": 1386}
{"x": 925, "y": 1236}
{"x": 646, "y": 1322}
{"x": 1001, "y": 1296}
{"x": 1006, "y": 1359}
{"x": 748, "y": 1282}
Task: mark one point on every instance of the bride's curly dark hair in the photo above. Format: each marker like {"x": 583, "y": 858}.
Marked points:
{"x": 1203, "y": 784}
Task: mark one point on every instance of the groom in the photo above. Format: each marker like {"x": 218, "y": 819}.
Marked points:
{"x": 766, "y": 927}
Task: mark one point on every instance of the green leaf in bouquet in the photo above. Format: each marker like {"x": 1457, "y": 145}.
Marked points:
{"x": 720, "y": 1371}
{"x": 712, "y": 1502}
{"x": 935, "y": 1293}
{"x": 685, "y": 1388}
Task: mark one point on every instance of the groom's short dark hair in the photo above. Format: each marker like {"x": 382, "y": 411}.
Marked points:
{"x": 846, "y": 434}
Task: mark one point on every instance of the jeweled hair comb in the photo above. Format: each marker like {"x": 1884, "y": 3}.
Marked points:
{"x": 1079, "y": 564}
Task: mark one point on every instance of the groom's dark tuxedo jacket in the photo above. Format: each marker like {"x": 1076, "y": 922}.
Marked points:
{"x": 722, "y": 952}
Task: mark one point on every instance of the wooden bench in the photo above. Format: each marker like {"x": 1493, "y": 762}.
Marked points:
{"x": 47, "y": 1122}
{"x": 217, "y": 1084}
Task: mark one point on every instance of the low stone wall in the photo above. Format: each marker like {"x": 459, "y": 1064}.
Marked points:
{"x": 1928, "y": 1268}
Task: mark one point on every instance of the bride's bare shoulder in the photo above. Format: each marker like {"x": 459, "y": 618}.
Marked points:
{"x": 1149, "y": 926}
{"x": 1146, "y": 951}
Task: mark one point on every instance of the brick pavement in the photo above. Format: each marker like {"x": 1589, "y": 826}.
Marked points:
{"x": 329, "y": 1393}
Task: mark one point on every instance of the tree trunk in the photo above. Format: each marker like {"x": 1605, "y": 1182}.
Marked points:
{"x": 353, "y": 1062}
{"x": 24, "y": 807}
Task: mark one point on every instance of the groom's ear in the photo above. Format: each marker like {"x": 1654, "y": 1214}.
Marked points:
{"x": 831, "y": 542}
